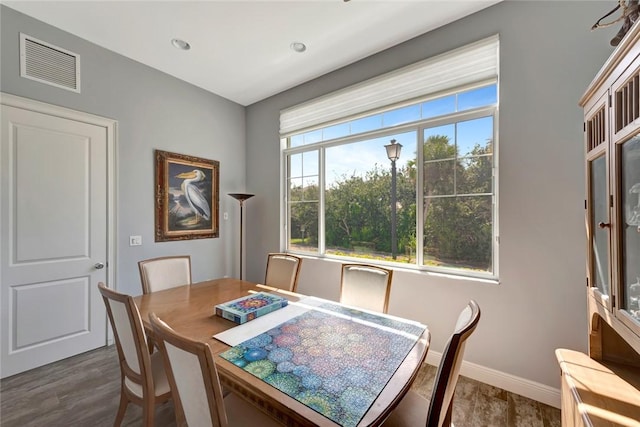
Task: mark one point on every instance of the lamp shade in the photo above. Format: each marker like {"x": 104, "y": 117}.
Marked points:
{"x": 241, "y": 196}
{"x": 393, "y": 150}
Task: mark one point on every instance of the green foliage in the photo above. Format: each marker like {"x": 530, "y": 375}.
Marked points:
{"x": 457, "y": 206}
{"x": 358, "y": 211}
{"x": 304, "y": 214}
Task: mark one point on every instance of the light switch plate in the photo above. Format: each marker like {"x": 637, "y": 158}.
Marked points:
{"x": 135, "y": 240}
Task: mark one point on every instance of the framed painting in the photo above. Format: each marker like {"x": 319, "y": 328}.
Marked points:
{"x": 187, "y": 197}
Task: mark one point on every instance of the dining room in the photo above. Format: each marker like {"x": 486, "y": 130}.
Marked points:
{"x": 532, "y": 295}
{"x": 282, "y": 358}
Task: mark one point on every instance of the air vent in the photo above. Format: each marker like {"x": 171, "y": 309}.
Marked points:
{"x": 49, "y": 64}
{"x": 596, "y": 132}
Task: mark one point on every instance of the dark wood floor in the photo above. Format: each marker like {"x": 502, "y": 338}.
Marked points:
{"x": 84, "y": 391}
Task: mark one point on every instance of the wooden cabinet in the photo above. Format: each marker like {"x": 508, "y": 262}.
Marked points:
{"x": 594, "y": 394}
{"x": 612, "y": 146}
{"x": 603, "y": 388}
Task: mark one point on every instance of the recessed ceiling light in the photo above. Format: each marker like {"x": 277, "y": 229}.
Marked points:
{"x": 298, "y": 47}
{"x": 180, "y": 44}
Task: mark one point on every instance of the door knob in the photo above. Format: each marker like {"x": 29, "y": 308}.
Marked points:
{"x": 98, "y": 265}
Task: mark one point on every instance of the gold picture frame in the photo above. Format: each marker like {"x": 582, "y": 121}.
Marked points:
{"x": 186, "y": 197}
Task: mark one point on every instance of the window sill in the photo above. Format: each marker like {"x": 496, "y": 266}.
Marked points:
{"x": 404, "y": 268}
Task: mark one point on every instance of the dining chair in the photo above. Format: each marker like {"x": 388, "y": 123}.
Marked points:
{"x": 194, "y": 380}
{"x": 166, "y": 272}
{"x": 365, "y": 286}
{"x": 414, "y": 410}
{"x": 282, "y": 271}
{"x": 142, "y": 376}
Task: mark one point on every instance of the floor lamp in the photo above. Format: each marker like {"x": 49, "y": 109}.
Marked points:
{"x": 241, "y": 197}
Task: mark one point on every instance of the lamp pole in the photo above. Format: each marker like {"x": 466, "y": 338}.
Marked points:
{"x": 241, "y": 197}
{"x": 393, "y": 153}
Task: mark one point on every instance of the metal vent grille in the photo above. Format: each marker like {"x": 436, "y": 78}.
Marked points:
{"x": 627, "y": 107}
{"x": 49, "y": 64}
{"x": 596, "y": 131}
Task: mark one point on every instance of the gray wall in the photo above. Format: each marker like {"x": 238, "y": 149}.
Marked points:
{"x": 548, "y": 56}
{"x": 154, "y": 111}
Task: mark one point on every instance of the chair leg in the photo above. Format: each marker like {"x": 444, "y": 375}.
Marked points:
{"x": 122, "y": 408}
{"x": 181, "y": 421}
{"x": 148, "y": 412}
{"x": 449, "y": 416}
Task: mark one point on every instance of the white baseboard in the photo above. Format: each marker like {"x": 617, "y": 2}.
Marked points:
{"x": 531, "y": 389}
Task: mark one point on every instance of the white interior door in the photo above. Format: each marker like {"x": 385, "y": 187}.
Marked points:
{"x": 54, "y": 225}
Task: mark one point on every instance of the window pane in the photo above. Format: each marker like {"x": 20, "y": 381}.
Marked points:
{"x": 401, "y": 115}
{"x": 358, "y": 195}
{"x": 296, "y": 190}
{"x": 295, "y": 165}
{"x": 630, "y": 192}
{"x": 310, "y": 182}
{"x": 310, "y": 163}
{"x": 599, "y": 213}
{"x": 474, "y": 135}
{"x": 335, "y": 131}
{"x": 303, "y": 231}
{"x": 366, "y": 124}
{"x": 303, "y": 189}
{"x": 438, "y": 107}
{"x": 480, "y": 97}
{"x": 439, "y": 178}
{"x": 349, "y": 160}
{"x": 458, "y": 232}
{"x": 474, "y": 175}
{"x": 296, "y": 140}
{"x": 439, "y": 143}
{"x": 312, "y": 137}
{"x": 303, "y": 164}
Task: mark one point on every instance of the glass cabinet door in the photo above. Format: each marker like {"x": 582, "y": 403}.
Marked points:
{"x": 630, "y": 227}
{"x": 599, "y": 226}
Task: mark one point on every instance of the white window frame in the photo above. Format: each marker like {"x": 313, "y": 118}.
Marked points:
{"x": 485, "y": 71}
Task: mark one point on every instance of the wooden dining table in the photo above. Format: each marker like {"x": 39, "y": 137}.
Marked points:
{"x": 189, "y": 310}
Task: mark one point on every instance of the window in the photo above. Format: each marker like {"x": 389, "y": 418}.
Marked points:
{"x": 432, "y": 208}
{"x": 458, "y": 195}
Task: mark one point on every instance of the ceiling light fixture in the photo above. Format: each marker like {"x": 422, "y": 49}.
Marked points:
{"x": 180, "y": 44}
{"x": 298, "y": 47}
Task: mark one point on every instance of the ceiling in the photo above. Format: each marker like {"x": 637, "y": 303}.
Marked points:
{"x": 241, "y": 49}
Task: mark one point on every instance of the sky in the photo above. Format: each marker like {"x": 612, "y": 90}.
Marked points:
{"x": 360, "y": 157}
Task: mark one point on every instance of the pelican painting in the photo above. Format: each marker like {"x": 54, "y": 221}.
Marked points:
{"x": 187, "y": 201}
{"x": 193, "y": 194}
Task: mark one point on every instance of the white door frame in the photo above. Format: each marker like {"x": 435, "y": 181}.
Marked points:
{"x": 111, "y": 127}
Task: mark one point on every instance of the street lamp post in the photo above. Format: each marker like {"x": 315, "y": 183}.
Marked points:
{"x": 393, "y": 153}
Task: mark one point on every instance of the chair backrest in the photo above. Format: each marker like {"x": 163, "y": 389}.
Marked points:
{"x": 440, "y": 407}
{"x": 282, "y": 271}
{"x": 366, "y": 286}
{"x": 192, "y": 376}
{"x": 131, "y": 340}
{"x": 166, "y": 272}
